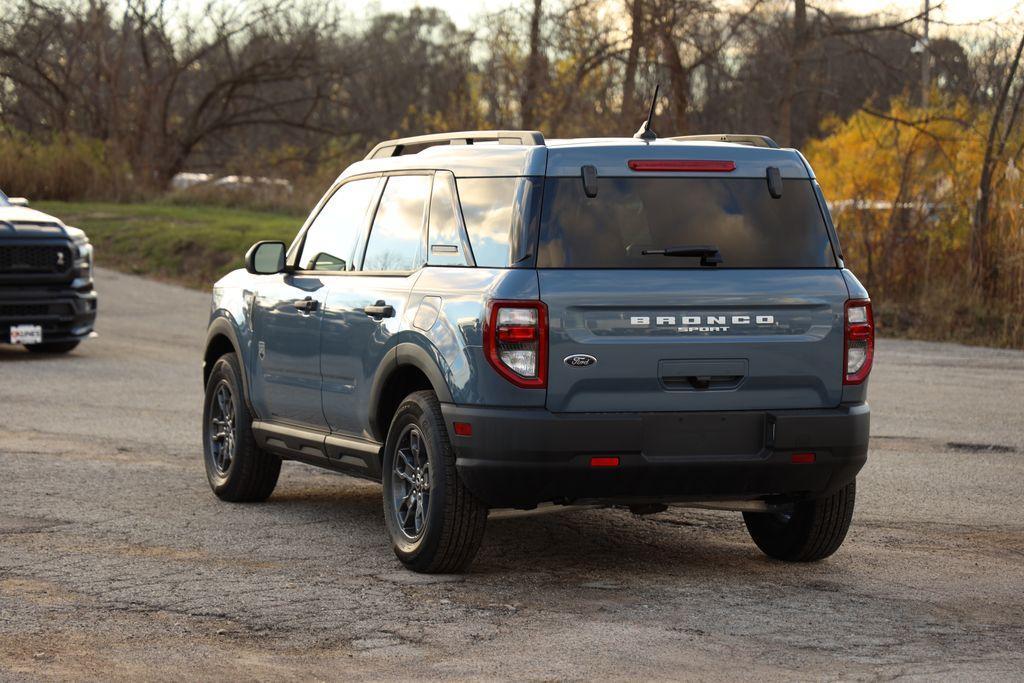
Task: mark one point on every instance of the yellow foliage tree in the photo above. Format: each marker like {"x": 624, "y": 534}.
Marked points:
{"x": 903, "y": 185}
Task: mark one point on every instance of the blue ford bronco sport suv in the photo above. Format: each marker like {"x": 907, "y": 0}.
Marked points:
{"x": 494, "y": 320}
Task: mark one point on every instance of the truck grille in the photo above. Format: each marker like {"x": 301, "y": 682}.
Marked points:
{"x": 23, "y": 310}
{"x": 34, "y": 259}
{"x": 33, "y": 311}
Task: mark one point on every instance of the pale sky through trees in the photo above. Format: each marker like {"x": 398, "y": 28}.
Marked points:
{"x": 952, "y": 11}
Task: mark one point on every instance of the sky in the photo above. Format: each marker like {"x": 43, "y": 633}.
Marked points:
{"x": 953, "y": 11}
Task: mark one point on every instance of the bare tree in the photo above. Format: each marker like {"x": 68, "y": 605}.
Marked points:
{"x": 158, "y": 93}
{"x": 637, "y": 36}
{"x": 534, "y": 68}
{"x": 1005, "y": 117}
{"x": 794, "y": 73}
{"x": 563, "y": 82}
{"x": 692, "y": 34}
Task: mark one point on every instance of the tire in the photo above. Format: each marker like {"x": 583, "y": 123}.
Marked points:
{"x": 238, "y": 470}
{"x": 811, "y": 531}
{"x": 445, "y": 538}
{"x": 53, "y": 347}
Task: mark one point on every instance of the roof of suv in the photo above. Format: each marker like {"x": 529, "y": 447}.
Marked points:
{"x": 502, "y": 153}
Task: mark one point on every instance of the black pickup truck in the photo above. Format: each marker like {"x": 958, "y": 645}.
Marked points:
{"x": 47, "y": 300}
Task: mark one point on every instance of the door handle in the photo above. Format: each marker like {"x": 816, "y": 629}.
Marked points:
{"x": 307, "y": 305}
{"x": 380, "y": 310}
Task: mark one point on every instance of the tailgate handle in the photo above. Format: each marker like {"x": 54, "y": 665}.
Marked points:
{"x": 707, "y": 381}
{"x": 702, "y": 374}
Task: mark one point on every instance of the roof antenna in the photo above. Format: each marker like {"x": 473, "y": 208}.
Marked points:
{"x": 645, "y": 132}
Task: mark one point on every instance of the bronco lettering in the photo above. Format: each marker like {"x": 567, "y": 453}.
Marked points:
{"x": 702, "y": 321}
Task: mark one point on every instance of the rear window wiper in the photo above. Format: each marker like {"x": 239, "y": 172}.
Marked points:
{"x": 709, "y": 255}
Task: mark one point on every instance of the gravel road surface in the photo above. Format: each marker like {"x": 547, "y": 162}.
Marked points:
{"x": 116, "y": 561}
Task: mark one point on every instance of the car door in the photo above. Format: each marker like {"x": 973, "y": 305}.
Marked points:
{"x": 363, "y": 311}
{"x": 288, "y": 310}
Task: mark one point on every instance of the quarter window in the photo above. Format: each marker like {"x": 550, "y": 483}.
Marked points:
{"x": 331, "y": 239}
{"x": 395, "y": 239}
{"x": 487, "y": 207}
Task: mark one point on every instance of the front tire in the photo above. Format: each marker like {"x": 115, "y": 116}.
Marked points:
{"x": 238, "y": 470}
{"x": 809, "y": 531}
{"x": 436, "y": 525}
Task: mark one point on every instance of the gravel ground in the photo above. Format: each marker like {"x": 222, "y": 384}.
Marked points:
{"x": 116, "y": 561}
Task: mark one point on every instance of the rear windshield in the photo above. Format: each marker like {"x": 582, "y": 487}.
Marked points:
{"x": 738, "y": 216}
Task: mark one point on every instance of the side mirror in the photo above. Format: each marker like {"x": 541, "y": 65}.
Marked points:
{"x": 265, "y": 258}
{"x": 17, "y": 201}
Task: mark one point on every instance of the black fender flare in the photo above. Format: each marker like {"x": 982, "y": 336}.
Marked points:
{"x": 406, "y": 354}
{"x": 222, "y": 327}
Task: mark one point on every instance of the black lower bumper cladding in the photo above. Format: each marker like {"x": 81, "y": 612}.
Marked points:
{"x": 522, "y": 457}
{"x": 63, "y": 314}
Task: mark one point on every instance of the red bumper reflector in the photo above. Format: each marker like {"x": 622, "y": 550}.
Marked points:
{"x": 604, "y": 462}
{"x": 802, "y": 458}
{"x": 463, "y": 429}
{"x": 681, "y": 165}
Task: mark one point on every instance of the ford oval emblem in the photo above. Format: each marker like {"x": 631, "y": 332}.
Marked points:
{"x": 579, "y": 360}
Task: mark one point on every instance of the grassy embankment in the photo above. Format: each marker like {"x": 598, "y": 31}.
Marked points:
{"x": 189, "y": 245}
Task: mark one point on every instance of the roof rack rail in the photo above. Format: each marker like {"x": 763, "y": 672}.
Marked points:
{"x": 739, "y": 139}
{"x": 397, "y": 147}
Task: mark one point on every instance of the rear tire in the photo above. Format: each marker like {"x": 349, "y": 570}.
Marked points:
{"x": 53, "y": 347}
{"x": 238, "y": 470}
{"x": 436, "y": 525}
{"x": 810, "y": 531}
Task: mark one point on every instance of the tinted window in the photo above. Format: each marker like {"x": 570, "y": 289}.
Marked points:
{"x": 398, "y": 226}
{"x": 629, "y": 215}
{"x": 331, "y": 239}
{"x": 445, "y": 241}
{"x": 487, "y": 208}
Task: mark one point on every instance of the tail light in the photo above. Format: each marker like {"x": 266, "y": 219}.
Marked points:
{"x": 859, "y": 349}
{"x": 516, "y": 341}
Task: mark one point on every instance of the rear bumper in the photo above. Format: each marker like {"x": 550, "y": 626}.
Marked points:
{"x": 522, "y": 457}
{"x": 65, "y": 314}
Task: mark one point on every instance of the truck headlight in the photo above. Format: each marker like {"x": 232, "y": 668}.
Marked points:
{"x": 83, "y": 262}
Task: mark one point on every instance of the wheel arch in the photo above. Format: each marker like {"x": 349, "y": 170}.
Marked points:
{"x": 222, "y": 339}
{"x": 410, "y": 369}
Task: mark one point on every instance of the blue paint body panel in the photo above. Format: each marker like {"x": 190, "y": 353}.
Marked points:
{"x": 354, "y": 346}
{"x": 634, "y": 322}
{"x": 285, "y": 380}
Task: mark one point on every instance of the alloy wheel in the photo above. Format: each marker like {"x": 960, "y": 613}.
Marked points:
{"x": 222, "y": 427}
{"x": 410, "y": 479}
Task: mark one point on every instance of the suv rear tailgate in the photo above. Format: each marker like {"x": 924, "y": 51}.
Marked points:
{"x": 694, "y": 340}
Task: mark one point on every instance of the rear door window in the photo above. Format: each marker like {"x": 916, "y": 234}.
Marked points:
{"x": 395, "y": 242}
{"x": 738, "y": 216}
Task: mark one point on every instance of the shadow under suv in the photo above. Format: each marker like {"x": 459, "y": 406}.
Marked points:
{"x": 494, "y": 320}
